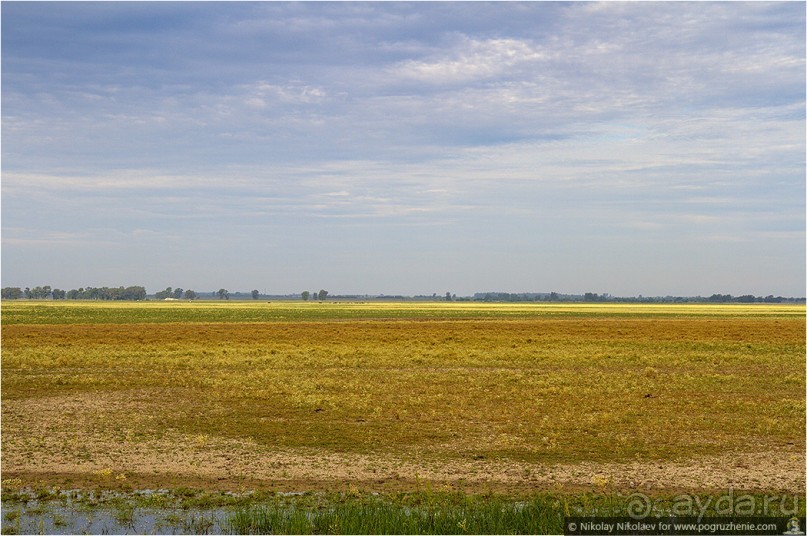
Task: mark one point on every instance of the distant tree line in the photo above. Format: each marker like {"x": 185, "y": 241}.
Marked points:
{"x": 138, "y": 293}
{"x": 175, "y": 294}
{"x": 523, "y": 297}
{"x": 594, "y": 297}
{"x": 748, "y": 298}
{"x": 90, "y": 293}
{"x": 321, "y": 295}
{"x": 224, "y": 294}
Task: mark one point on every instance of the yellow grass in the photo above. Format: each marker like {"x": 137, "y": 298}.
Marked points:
{"x": 528, "y": 387}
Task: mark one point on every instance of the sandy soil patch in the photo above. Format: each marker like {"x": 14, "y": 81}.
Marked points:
{"x": 60, "y": 439}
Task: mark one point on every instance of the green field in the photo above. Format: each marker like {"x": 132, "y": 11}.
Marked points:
{"x": 357, "y": 397}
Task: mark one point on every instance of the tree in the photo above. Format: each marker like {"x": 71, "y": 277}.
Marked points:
{"x": 190, "y": 295}
{"x": 448, "y": 296}
{"x": 306, "y": 295}
{"x": 178, "y": 293}
{"x": 12, "y": 293}
{"x": 112, "y": 293}
{"x": 58, "y": 294}
{"x": 136, "y": 293}
{"x": 322, "y": 294}
{"x": 38, "y": 293}
{"x": 255, "y": 294}
{"x": 223, "y": 294}
{"x": 163, "y": 294}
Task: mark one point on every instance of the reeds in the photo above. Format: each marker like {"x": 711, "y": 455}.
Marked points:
{"x": 418, "y": 513}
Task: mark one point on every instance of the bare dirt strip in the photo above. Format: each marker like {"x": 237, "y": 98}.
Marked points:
{"x": 53, "y": 441}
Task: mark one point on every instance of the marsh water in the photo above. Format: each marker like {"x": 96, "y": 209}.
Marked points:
{"x": 192, "y": 511}
{"x": 78, "y": 512}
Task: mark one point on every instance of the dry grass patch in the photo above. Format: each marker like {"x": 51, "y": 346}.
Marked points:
{"x": 476, "y": 399}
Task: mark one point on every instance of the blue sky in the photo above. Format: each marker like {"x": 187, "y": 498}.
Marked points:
{"x": 629, "y": 148}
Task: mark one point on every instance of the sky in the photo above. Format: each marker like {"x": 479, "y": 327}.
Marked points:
{"x": 635, "y": 148}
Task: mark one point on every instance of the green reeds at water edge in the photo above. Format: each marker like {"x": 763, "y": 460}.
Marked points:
{"x": 405, "y": 514}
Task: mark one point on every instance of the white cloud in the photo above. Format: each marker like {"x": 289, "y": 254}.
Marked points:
{"x": 470, "y": 60}
{"x": 22, "y": 184}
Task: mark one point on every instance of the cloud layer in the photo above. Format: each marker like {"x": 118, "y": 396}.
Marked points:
{"x": 628, "y": 148}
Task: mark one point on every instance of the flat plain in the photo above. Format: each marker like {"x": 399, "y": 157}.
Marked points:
{"x": 332, "y": 396}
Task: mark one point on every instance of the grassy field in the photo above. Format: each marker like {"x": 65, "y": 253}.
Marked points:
{"x": 93, "y": 312}
{"x": 513, "y": 398}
